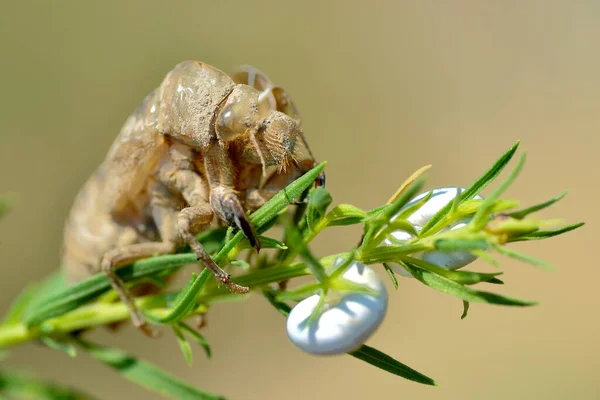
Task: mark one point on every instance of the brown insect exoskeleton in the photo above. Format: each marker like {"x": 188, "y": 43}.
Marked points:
{"x": 196, "y": 147}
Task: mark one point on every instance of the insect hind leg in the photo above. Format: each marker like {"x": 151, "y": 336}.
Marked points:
{"x": 126, "y": 255}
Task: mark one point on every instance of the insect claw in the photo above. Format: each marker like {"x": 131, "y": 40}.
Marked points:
{"x": 242, "y": 222}
{"x": 234, "y": 287}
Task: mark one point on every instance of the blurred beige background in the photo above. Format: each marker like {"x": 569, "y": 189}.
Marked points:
{"x": 384, "y": 87}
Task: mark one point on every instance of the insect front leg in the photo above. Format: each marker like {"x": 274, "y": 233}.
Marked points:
{"x": 224, "y": 199}
{"x": 192, "y": 219}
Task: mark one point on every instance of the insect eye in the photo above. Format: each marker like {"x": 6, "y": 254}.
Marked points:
{"x": 237, "y": 116}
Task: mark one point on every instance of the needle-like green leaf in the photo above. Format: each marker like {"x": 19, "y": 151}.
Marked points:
{"x": 448, "y": 286}
{"x": 146, "y": 374}
{"x": 525, "y": 212}
{"x": 392, "y": 275}
{"x": 391, "y": 365}
{"x": 184, "y": 345}
{"x": 465, "y": 309}
{"x": 198, "y": 338}
{"x": 368, "y": 354}
{"x": 545, "y": 234}
{"x": 475, "y": 188}
{"x": 186, "y": 300}
{"x": 24, "y": 386}
{"x": 320, "y": 200}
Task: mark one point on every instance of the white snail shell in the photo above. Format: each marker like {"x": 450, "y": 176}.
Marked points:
{"x": 440, "y": 197}
{"x": 347, "y": 318}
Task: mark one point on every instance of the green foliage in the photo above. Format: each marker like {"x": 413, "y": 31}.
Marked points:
{"x": 145, "y": 374}
{"x": 389, "y": 364}
{"x": 52, "y": 312}
{"x": 23, "y": 386}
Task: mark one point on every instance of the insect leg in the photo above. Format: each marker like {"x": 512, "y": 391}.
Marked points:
{"x": 164, "y": 207}
{"x": 126, "y": 255}
{"x": 191, "y": 217}
{"x": 226, "y": 204}
{"x": 190, "y": 220}
{"x": 223, "y": 199}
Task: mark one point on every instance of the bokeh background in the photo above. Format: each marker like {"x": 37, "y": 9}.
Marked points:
{"x": 384, "y": 88}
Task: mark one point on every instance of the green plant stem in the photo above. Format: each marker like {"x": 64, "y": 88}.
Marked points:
{"x": 98, "y": 313}
{"x": 84, "y": 317}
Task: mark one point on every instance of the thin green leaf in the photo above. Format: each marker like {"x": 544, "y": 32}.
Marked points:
{"x": 465, "y": 309}
{"x": 184, "y": 345}
{"x": 296, "y": 242}
{"x": 50, "y": 287}
{"x": 20, "y": 304}
{"x": 146, "y": 374}
{"x": 377, "y": 210}
{"x": 241, "y": 264}
{"x": 495, "y": 281}
{"x": 406, "y": 196}
{"x": 545, "y": 234}
{"x": 58, "y": 345}
{"x": 402, "y": 225}
{"x": 282, "y": 199}
{"x": 345, "y": 214}
{"x": 87, "y": 290}
{"x": 482, "y": 215}
{"x": 270, "y": 243}
{"x": 475, "y": 188}
{"x": 448, "y": 286}
{"x": 410, "y": 210}
{"x": 198, "y": 338}
{"x": 448, "y": 245}
{"x": 523, "y": 257}
{"x": 298, "y": 293}
{"x": 455, "y": 204}
{"x": 265, "y": 243}
{"x": 461, "y": 277}
{"x": 525, "y": 212}
{"x": 383, "y": 254}
{"x": 341, "y": 267}
{"x": 283, "y": 308}
{"x": 301, "y": 207}
{"x": 389, "y": 364}
{"x": 392, "y": 275}
{"x": 23, "y": 386}
{"x": 378, "y": 222}
{"x": 274, "y": 274}
{"x": 486, "y": 257}
{"x": 272, "y": 208}
{"x": 366, "y": 353}
{"x": 186, "y": 302}
{"x": 320, "y": 200}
